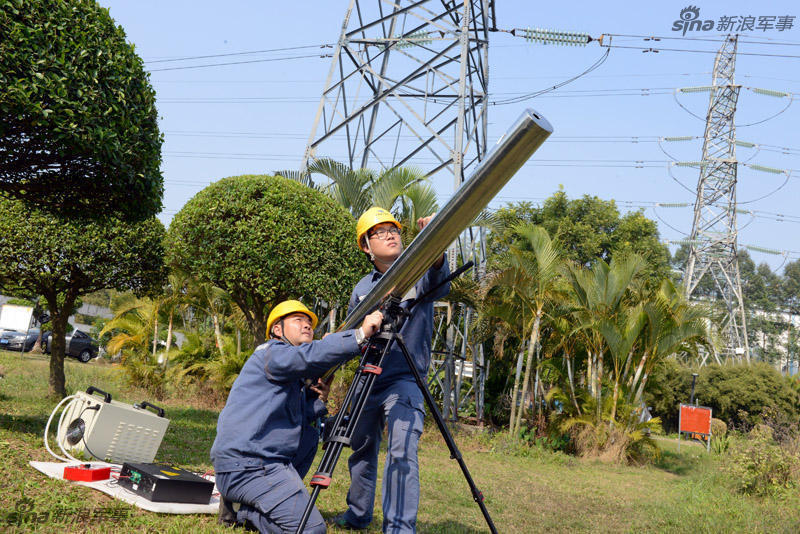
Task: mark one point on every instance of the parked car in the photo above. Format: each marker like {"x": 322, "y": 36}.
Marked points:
{"x": 79, "y": 345}
{"x": 13, "y": 340}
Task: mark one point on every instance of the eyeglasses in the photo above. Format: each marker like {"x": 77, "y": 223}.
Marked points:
{"x": 384, "y": 233}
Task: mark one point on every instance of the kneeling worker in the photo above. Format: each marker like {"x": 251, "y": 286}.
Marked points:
{"x": 265, "y": 443}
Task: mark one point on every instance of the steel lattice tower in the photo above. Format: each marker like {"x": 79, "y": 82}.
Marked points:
{"x": 429, "y": 100}
{"x": 713, "y": 241}
{"x": 408, "y": 85}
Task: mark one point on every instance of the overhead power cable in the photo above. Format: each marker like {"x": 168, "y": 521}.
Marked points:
{"x": 657, "y": 50}
{"x": 241, "y": 62}
{"x": 606, "y": 40}
{"x": 552, "y": 37}
{"x": 634, "y": 139}
{"x": 743, "y": 38}
{"x": 642, "y": 204}
{"x": 248, "y": 52}
{"x": 754, "y": 248}
{"x": 517, "y": 96}
{"x": 756, "y": 90}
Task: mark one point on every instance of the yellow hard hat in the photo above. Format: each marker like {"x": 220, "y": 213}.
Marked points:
{"x": 288, "y": 307}
{"x": 370, "y": 218}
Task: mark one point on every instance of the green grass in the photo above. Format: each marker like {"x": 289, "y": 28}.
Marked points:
{"x": 526, "y": 490}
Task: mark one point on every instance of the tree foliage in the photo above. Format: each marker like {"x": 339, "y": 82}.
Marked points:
{"x": 405, "y": 191}
{"x": 62, "y": 258}
{"x": 739, "y": 394}
{"x": 769, "y": 298}
{"x": 264, "y": 239}
{"x": 78, "y": 122}
{"x": 590, "y": 229}
{"x": 597, "y": 329}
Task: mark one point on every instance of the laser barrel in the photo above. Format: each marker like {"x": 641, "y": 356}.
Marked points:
{"x": 512, "y": 151}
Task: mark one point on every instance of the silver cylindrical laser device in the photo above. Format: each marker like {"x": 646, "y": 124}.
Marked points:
{"x": 503, "y": 161}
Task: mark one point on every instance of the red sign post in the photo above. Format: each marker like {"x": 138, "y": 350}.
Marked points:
{"x": 696, "y": 422}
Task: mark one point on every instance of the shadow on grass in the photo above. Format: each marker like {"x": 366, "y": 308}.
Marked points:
{"x": 24, "y": 423}
{"x": 428, "y": 527}
{"x": 677, "y": 464}
{"x": 189, "y": 437}
{"x": 448, "y": 527}
{"x": 194, "y": 416}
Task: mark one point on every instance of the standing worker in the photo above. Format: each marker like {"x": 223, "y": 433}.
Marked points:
{"x": 395, "y": 400}
{"x": 265, "y": 443}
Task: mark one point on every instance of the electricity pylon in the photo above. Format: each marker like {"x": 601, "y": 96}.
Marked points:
{"x": 713, "y": 241}
{"x": 408, "y": 85}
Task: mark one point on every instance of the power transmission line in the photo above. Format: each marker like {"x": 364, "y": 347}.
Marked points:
{"x": 241, "y": 62}
{"x": 534, "y": 94}
{"x": 743, "y": 38}
{"x": 657, "y": 50}
{"x": 634, "y": 139}
{"x": 249, "y": 52}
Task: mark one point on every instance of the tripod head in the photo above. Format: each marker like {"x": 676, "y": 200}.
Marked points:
{"x": 394, "y": 315}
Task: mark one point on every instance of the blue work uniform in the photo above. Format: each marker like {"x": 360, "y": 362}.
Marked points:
{"x": 397, "y": 402}
{"x": 265, "y": 443}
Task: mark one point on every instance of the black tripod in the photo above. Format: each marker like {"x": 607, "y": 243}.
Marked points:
{"x": 346, "y": 420}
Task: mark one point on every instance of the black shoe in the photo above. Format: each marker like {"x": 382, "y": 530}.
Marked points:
{"x": 227, "y": 515}
{"x": 340, "y": 522}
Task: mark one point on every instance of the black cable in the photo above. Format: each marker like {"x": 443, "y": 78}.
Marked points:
{"x": 455, "y": 274}
{"x": 786, "y": 181}
{"x": 666, "y": 223}
{"x": 83, "y": 437}
{"x": 529, "y": 96}
{"x": 324, "y": 45}
{"x": 651, "y": 49}
{"x": 242, "y": 62}
{"x": 742, "y": 38}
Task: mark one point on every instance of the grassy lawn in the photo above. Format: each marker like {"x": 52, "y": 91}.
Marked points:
{"x": 526, "y": 490}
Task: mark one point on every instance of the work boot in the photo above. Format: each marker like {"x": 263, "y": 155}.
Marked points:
{"x": 227, "y": 515}
{"x": 341, "y": 522}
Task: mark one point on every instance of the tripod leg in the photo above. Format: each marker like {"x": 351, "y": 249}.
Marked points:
{"x": 346, "y": 420}
{"x": 448, "y": 438}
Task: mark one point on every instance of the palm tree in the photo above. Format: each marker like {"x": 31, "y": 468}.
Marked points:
{"x": 598, "y": 294}
{"x": 500, "y": 317}
{"x": 133, "y": 326}
{"x": 564, "y": 345}
{"x": 621, "y": 333}
{"x": 214, "y": 302}
{"x": 530, "y": 279}
{"x": 405, "y": 191}
{"x": 673, "y": 325}
{"x": 174, "y": 300}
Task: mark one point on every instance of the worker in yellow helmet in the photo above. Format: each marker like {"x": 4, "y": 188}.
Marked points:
{"x": 265, "y": 439}
{"x": 381, "y": 221}
{"x": 395, "y": 401}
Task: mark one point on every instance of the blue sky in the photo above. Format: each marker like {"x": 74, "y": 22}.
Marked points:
{"x": 256, "y": 117}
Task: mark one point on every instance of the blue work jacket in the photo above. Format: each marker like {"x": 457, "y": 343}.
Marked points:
{"x": 269, "y": 410}
{"x": 418, "y": 328}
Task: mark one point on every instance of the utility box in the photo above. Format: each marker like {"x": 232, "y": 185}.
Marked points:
{"x": 110, "y": 430}
{"x": 165, "y": 483}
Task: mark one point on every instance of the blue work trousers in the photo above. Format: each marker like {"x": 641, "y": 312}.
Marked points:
{"x": 272, "y": 498}
{"x": 399, "y": 406}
